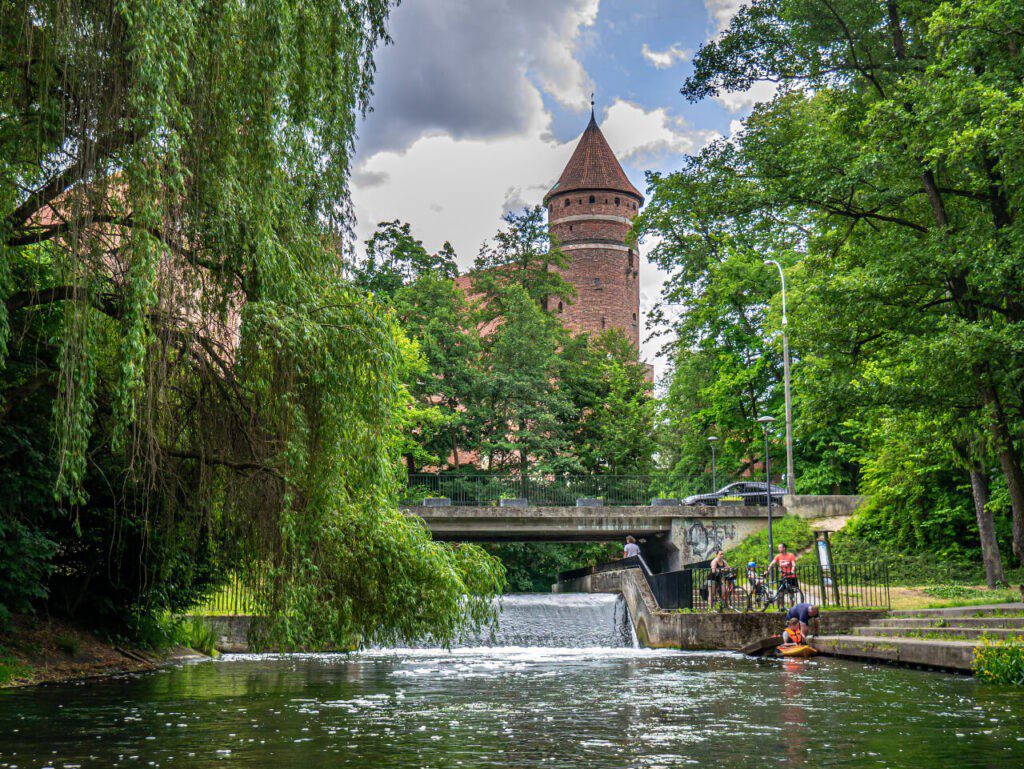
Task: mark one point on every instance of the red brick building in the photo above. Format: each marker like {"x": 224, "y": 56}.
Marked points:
{"x": 590, "y": 212}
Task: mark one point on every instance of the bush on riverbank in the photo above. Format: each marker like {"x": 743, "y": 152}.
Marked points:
{"x": 1000, "y": 661}
{"x": 795, "y": 532}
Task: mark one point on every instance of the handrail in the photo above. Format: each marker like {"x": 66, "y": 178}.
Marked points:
{"x": 553, "y": 489}
{"x": 846, "y": 586}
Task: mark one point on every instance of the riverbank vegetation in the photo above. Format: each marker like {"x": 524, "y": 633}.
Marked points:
{"x": 885, "y": 176}
{"x": 190, "y": 388}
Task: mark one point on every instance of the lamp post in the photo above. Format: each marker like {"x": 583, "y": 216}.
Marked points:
{"x": 790, "y": 480}
{"x": 766, "y": 423}
{"x": 712, "y": 439}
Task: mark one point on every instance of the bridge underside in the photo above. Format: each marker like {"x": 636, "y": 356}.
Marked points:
{"x": 671, "y": 536}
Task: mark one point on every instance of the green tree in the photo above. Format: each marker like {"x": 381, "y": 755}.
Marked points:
{"x": 523, "y": 253}
{"x": 205, "y": 386}
{"x": 395, "y": 258}
{"x": 613, "y": 427}
{"x": 895, "y": 133}
{"x": 522, "y": 411}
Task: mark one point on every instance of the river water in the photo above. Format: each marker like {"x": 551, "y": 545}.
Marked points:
{"x": 534, "y": 698}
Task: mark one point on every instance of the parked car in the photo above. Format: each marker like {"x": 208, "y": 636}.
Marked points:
{"x": 751, "y": 492}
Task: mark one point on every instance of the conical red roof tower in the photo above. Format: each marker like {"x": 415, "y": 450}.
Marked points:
{"x": 590, "y": 213}
{"x": 593, "y": 166}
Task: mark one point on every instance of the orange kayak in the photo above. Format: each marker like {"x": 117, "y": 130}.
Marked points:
{"x": 797, "y": 650}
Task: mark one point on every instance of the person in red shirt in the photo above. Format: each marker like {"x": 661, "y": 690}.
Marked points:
{"x": 787, "y": 565}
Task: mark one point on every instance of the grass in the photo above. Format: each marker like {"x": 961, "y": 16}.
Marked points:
{"x": 11, "y": 668}
{"x": 200, "y": 635}
{"x": 795, "y": 532}
{"x": 945, "y": 597}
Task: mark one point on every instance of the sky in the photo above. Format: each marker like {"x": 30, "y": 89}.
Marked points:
{"x": 478, "y": 105}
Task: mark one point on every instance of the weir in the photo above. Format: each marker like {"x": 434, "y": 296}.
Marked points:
{"x": 560, "y": 621}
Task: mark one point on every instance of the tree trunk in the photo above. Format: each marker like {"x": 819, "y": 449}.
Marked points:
{"x": 1009, "y": 460}
{"x": 986, "y": 527}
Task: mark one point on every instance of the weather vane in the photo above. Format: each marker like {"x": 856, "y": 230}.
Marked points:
{"x": 591, "y": 100}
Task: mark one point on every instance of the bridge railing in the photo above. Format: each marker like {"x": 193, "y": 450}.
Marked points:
{"x": 552, "y": 489}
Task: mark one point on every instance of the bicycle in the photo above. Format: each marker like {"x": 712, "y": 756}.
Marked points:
{"x": 787, "y": 592}
{"x": 729, "y": 595}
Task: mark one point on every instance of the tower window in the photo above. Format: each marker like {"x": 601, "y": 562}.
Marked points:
{"x": 606, "y": 201}
{"x": 570, "y": 228}
{"x": 597, "y": 281}
{"x": 592, "y": 199}
{"x": 602, "y": 321}
{"x": 560, "y": 307}
{"x": 616, "y": 201}
{"x": 567, "y": 202}
{"x": 634, "y": 317}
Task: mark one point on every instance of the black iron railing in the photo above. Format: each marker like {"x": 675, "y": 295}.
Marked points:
{"x": 552, "y": 489}
{"x": 844, "y": 586}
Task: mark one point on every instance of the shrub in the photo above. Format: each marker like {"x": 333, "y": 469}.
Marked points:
{"x": 200, "y": 635}
{"x": 25, "y": 566}
{"x": 795, "y": 532}
{"x": 69, "y": 644}
{"x": 1000, "y": 661}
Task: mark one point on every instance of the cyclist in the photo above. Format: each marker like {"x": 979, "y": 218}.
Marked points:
{"x": 716, "y": 583}
{"x": 787, "y": 567}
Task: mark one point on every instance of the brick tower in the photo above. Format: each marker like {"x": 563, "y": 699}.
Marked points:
{"x": 590, "y": 211}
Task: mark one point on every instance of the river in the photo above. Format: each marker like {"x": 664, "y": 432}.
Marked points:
{"x": 562, "y": 685}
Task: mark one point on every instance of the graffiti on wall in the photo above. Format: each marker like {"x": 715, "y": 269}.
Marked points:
{"x": 705, "y": 539}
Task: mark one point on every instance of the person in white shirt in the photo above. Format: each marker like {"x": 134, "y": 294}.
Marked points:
{"x": 632, "y": 549}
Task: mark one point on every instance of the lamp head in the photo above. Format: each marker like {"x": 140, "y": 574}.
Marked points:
{"x": 712, "y": 438}
{"x": 766, "y": 421}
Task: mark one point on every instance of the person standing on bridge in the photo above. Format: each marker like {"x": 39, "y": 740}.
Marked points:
{"x": 632, "y": 549}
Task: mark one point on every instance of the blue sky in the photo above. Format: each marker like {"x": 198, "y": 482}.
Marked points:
{"x": 479, "y": 103}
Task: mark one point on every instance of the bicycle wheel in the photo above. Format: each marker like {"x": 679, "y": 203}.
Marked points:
{"x": 796, "y": 596}
{"x": 763, "y": 599}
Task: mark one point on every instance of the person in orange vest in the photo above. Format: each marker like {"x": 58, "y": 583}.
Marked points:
{"x": 792, "y": 634}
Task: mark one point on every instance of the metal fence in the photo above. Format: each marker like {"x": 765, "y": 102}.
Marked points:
{"x": 844, "y": 586}
{"x": 232, "y": 599}
{"x": 552, "y": 489}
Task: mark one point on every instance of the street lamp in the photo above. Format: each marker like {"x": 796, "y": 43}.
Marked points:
{"x": 790, "y": 480}
{"x": 766, "y": 423}
{"x": 712, "y": 439}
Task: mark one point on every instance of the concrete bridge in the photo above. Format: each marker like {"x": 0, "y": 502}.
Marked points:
{"x": 675, "y": 535}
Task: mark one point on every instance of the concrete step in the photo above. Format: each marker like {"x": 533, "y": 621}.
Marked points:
{"x": 938, "y": 633}
{"x": 949, "y": 655}
{"x": 937, "y": 622}
{"x": 998, "y": 609}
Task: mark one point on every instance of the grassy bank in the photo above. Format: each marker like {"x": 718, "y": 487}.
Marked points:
{"x": 35, "y": 650}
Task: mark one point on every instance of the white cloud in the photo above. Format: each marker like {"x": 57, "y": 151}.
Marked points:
{"x": 469, "y": 68}
{"x": 648, "y": 138}
{"x": 665, "y": 59}
{"x": 457, "y": 189}
{"x": 739, "y": 101}
{"x": 722, "y": 11}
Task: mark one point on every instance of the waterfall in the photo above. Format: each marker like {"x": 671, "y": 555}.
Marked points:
{"x": 565, "y": 620}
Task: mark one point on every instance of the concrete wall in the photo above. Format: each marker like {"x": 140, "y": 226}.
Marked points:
{"x": 232, "y": 633}
{"x": 658, "y": 629}
{"x": 698, "y": 539}
{"x": 821, "y": 505}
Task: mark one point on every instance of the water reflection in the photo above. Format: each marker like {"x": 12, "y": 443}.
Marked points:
{"x": 516, "y": 707}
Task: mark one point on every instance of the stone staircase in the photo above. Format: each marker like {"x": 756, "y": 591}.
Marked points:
{"x": 935, "y": 638}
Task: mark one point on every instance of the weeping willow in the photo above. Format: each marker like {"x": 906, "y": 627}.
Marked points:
{"x": 173, "y": 186}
